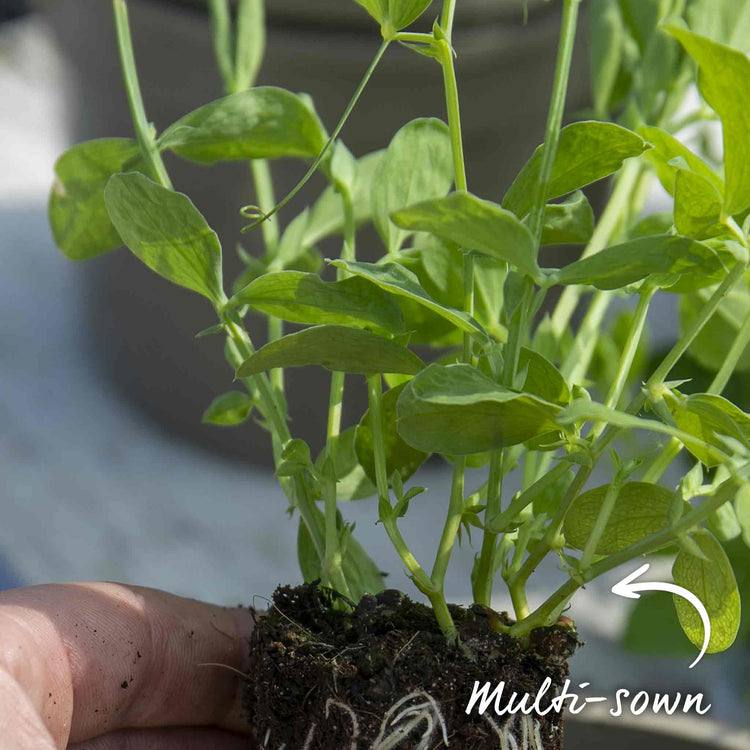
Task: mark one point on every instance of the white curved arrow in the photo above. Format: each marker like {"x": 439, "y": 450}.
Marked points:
{"x": 627, "y": 588}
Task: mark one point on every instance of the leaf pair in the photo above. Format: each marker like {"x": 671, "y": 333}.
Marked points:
{"x": 395, "y": 14}
{"x": 457, "y": 410}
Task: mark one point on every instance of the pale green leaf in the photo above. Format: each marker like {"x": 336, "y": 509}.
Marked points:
{"x": 399, "y": 456}
{"x": 352, "y": 483}
{"x": 336, "y": 348}
{"x": 457, "y": 410}
{"x": 80, "y": 224}
{"x": 725, "y": 84}
{"x": 167, "y": 232}
{"x": 697, "y": 206}
{"x": 305, "y": 298}
{"x": 588, "y": 151}
{"x": 641, "y": 509}
{"x": 620, "y": 265}
{"x": 229, "y": 409}
{"x": 713, "y": 582}
{"x": 714, "y": 341}
{"x": 474, "y": 224}
{"x": 398, "y": 280}
{"x": 396, "y": 14}
{"x": 668, "y": 152}
{"x": 261, "y": 123}
{"x": 327, "y": 213}
{"x": 569, "y": 222}
{"x": 418, "y": 165}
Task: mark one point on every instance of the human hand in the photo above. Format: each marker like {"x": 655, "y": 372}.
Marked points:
{"x": 104, "y": 666}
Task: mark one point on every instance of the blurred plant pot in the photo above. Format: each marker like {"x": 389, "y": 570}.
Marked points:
{"x": 143, "y": 329}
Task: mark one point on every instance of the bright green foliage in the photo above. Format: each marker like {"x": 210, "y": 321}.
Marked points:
{"x": 641, "y": 509}
{"x": 457, "y": 410}
{"x": 714, "y": 341}
{"x": 708, "y": 417}
{"x": 588, "y": 151}
{"x": 697, "y": 206}
{"x": 80, "y": 224}
{"x": 400, "y": 281}
{"x": 399, "y": 455}
{"x": 606, "y": 32}
{"x": 416, "y": 166}
{"x": 262, "y": 123}
{"x": 167, "y": 232}
{"x": 528, "y": 386}
{"x": 395, "y": 14}
{"x": 352, "y": 483}
{"x": 474, "y": 224}
{"x": 725, "y": 83}
{"x": 667, "y": 153}
{"x": 625, "y": 264}
{"x": 336, "y": 348}
{"x": 712, "y": 581}
{"x": 568, "y": 222}
{"x": 305, "y": 298}
{"x": 326, "y": 216}
{"x": 229, "y": 409}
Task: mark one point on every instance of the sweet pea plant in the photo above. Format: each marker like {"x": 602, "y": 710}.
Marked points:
{"x": 509, "y": 387}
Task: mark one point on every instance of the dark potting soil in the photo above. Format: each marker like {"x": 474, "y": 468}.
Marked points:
{"x": 383, "y": 676}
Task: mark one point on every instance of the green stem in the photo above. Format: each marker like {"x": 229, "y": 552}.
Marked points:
{"x": 555, "y": 116}
{"x": 221, "y": 31}
{"x": 541, "y": 616}
{"x": 670, "y": 451}
{"x": 336, "y": 132}
{"x": 143, "y": 130}
{"x": 608, "y": 505}
{"x": 456, "y": 502}
{"x": 388, "y": 518}
{"x": 447, "y": 16}
{"x": 617, "y": 208}
{"x": 696, "y": 326}
{"x": 486, "y": 569}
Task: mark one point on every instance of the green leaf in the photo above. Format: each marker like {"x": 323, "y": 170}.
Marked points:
{"x": 352, "y": 483}
{"x": 606, "y": 39}
{"x": 474, "y": 224}
{"x": 327, "y": 213}
{"x": 418, "y": 165}
{"x": 336, "y": 348}
{"x": 396, "y": 279}
{"x": 697, "y": 206}
{"x": 261, "y": 123}
{"x": 305, "y": 298}
{"x": 742, "y": 510}
{"x": 725, "y": 84}
{"x": 641, "y": 509}
{"x": 457, "y": 410}
{"x": 643, "y": 17}
{"x": 80, "y": 224}
{"x": 714, "y": 341}
{"x": 307, "y": 556}
{"x": 707, "y": 416}
{"x": 618, "y": 266}
{"x": 229, "y": 409}
{"x": 543, "y": 379}
{"x": 568, "y": 223}
{"x": 361, "y": 573}
{"x": 588, "y": 151}
{"x": 396, "y": 14}
{"x": 400, "y": 457}
{"x": 668, "y": 152}
{"x": 167, "y": 232}
{"x": 295, "y": 457}
{"x": 713, "y": 582}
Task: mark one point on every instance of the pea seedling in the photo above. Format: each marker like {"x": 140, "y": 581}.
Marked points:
{"x": 466, "y": 276}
